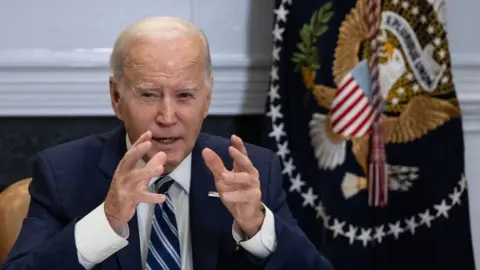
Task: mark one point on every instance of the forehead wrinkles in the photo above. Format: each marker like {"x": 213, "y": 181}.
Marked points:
{"x": 165, "y": 56}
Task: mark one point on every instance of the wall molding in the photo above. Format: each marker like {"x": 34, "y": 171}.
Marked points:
{"x": 75, "y": 83}
{"x": 466, "y": 75}
{"x": 39, "y": 82}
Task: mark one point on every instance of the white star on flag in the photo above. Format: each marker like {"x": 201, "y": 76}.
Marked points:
{"x": 337, "y": 227}
{"x": 426, "y": 218}
{"x": 365, "y": 236}
{"x": 297, "y": 184}
{"x": 411, "y": 224}
{"x": 442, "y": 208}
{"x": 288, "y": 167}
{"x": 281, "y": 13}
{"x": 277, "y": 33}
{"x": 283, "y": 150}
{"x": 395, "y": 229}
{"x": 277, "y": 132}
{"x": 309, "y": 198}
{"x": 379, "y": 234}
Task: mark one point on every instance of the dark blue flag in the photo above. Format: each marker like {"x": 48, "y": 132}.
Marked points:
{"x": 317, "y": 45}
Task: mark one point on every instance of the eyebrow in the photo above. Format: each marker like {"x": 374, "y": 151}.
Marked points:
{"x": 151, "y": 86}
{"x": 189, "y": 87}
{"x": 146, "y": 86}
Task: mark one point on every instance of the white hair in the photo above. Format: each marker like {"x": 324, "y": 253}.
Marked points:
{"x": 156, "y": 27}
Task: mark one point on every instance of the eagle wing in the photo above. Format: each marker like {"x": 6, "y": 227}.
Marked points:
{"x": 324, "y": 95}
{"x": 422, "y": 115}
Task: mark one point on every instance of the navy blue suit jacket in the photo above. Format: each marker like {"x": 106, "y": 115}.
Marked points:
{"x": 72, "y": 179}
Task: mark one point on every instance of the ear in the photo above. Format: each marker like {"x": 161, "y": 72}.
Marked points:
{"x": 115, "y": 97}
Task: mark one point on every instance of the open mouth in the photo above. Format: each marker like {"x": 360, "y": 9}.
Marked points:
{"x": 166, "y": 140}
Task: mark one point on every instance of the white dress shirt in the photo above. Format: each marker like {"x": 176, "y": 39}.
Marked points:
{"x": 96, "y": 240}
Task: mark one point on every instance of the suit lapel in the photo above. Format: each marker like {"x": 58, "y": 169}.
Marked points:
{"x": 207, "y": 214}
{"x": 114, "y": 150}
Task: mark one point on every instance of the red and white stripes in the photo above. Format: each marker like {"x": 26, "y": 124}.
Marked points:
{"x": 351, "y": 113}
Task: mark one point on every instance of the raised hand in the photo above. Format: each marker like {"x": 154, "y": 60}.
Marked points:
{"x": 239, "y": 189}
{"x": 129, "y": 185}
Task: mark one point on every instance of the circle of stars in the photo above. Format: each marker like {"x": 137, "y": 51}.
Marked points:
{"x": 395, "y": 229}
{"x": 340, "y": 228}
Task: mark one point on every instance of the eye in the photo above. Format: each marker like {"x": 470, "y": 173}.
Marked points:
{"x": 146, "y": 94}
{"x": 149, "y": 94}
{"x": 185, "y": 95}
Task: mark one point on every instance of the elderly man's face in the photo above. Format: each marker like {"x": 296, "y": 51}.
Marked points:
{"x": 165, "y": 90}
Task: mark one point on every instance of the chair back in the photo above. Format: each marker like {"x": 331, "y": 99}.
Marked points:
{"x": 14, "y": 202}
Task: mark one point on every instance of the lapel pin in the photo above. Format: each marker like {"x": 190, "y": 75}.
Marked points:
{"x": 213, "y": 194}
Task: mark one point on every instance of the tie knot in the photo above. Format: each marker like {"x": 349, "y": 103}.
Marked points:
{"x": 163, "y": 184}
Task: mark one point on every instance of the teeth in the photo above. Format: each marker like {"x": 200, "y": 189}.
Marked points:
{"x": 166, "y": 140}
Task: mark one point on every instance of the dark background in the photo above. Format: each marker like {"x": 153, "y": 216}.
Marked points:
{"x": 21, "y": 138}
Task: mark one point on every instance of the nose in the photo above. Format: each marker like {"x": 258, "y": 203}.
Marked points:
{"x": 167, "y": 112}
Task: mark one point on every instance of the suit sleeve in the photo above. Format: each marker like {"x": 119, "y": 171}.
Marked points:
{"x": 293, "y": 250}
{"x": 46, "y": 240}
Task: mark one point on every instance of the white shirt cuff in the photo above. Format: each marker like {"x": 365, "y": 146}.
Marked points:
{"x": 96, "y": 240}
{"x": 262, "y": 244}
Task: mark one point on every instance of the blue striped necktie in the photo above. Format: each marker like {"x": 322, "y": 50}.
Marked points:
{"x": 164, "y": 246}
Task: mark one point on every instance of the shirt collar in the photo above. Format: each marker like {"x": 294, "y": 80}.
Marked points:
{"x": 181, "y": 174}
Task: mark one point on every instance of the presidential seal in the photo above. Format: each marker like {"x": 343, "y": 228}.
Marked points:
{"x": 415, "y": 77}
{"x": 417, "y": 87}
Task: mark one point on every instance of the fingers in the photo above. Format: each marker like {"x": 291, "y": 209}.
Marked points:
{"x": 154, "y": 168}
{"x": 242, "y": 161}
{"x": 147, "y": 136}
{"x": 226, "y": 180}
{"x": 142, "y": 176}
{"x": 149, "y": 197}
{"x": 136, "y": 152}
{"x": 242, "y": 196}
{"x": 131, "y": 158}
{"x": 213, "y": 162}
{"x": 158, "y": 160}
{"x": 240, "y": 180}
{"x": 238, "y": 144}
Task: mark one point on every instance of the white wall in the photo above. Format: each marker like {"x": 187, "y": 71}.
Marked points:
{"x": 54, "y": 53}
{"x": 464, "y": 37}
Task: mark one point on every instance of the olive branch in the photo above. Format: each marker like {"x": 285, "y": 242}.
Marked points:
{"x": 308, "y": 55}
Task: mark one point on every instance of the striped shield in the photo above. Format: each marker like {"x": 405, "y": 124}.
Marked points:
{"x": 352, "y": 113}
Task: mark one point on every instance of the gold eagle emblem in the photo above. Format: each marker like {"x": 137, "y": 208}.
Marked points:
{"x": 418, "y": 100}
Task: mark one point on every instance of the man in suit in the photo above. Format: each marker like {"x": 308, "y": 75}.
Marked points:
{"x": 157, "y": 193}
